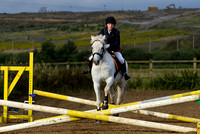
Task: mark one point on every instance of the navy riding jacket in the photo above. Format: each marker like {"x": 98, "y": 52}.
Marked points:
{"x": 113, "y": 39}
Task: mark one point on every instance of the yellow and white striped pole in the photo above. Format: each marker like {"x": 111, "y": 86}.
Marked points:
{"x": 84, "y": 101}
{"x": 64, "y": 97}
{"x": 98, "y": 116}
{"x": 167, "y": 116}
{"x": 145, "y": 112}
{"x": 151, "y": 104}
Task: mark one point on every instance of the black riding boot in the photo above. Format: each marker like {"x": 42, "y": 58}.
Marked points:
{"x": 86, "y": 71}
{"x": 124, "y": 73}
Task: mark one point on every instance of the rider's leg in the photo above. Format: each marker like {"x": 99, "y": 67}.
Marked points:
{"x": 88, "y": 70}
{"x": 124, "y": 71}
{"x": 123, "y": 65}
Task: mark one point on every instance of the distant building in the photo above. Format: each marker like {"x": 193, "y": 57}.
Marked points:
{"x": 152, "y": 8}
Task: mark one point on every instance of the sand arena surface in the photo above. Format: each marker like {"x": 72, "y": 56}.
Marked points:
{"x": 88, "y": 126}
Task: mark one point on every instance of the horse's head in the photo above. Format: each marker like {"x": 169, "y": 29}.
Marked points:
{"x": 98, "y": 48}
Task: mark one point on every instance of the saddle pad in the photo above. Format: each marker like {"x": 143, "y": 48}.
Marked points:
{"x": 117, "y": 64}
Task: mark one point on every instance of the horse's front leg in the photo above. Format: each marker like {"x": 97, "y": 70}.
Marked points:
{"x": 98, "y": 96}
{"x": 109, "y": 83}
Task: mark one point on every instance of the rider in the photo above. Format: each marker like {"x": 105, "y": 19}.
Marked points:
{"x": 113, "y": 38}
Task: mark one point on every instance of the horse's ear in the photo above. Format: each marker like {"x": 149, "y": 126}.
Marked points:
{"x": 106, "y": 46}
{"x": 104, "y": 38}
{"x": 92, "y": 37}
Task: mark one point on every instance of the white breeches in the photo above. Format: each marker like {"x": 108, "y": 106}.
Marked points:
{"x": 119, "y": 57}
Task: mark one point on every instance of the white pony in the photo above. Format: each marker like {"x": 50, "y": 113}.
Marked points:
{"x": 103, "y": 70}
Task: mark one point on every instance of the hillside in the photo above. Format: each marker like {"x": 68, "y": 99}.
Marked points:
{"x": 26, "y": 29}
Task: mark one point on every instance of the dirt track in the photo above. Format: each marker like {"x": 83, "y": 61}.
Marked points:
{"x": 158, "y": 19}
{"x": 86, "y": 126}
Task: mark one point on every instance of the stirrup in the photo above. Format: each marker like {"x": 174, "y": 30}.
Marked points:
{"x": 126, "y": 76}
{"x": 86, "y": 71}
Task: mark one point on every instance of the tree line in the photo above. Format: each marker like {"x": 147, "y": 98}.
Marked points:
{"x": 70, "y": 53}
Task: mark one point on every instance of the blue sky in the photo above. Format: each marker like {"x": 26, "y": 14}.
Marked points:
{"x": 16, "y": 6}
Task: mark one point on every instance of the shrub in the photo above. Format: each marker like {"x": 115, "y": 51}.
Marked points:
{"x": 136, "y": 83}
{"x": 60, "y": 80}
{"x": 66, "y": 52}
{"x": 63, "y": 28}
{"x": 81, "y": 56}
{"x": 187, "y": 80}
{"x": 48, "y": 53}
{"x": 136, "y": 54}
{"x": 183, "y": 55}
{"x": 5, "y": 58}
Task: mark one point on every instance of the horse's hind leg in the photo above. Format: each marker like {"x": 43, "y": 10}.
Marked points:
{"x": 112, "y": 95}
{"x": 120, "y": 91}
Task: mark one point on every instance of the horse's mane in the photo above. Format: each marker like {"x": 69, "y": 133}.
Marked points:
{"x": 100, "y": 38}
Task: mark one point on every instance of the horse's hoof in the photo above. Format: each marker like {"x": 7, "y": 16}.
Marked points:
{"x": 98, "y": 121}
{"x": 104, "y": 107}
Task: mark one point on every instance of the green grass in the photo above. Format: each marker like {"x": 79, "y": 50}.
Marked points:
{"x": 189, "y": 20}
{"x": 83, "y": 39}
{"x": 17, "y": 45}
{"x": 80, "y": 28}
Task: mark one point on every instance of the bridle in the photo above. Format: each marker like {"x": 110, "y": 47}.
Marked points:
{"x": 102, "y": 51}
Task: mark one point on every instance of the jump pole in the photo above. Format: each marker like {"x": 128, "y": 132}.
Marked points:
{"x": 84, "y": 101}
{"x": 145, "y": 112}
{"x": 102, "y": 117}
{"x": 151, "y": 104}
{"x": 65, "y": 118}
{"x": 167, "y": 116}
{"x": 64, "y": 97}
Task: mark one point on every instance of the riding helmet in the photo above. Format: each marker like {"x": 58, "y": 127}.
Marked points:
{"x": 111, "y": 20}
